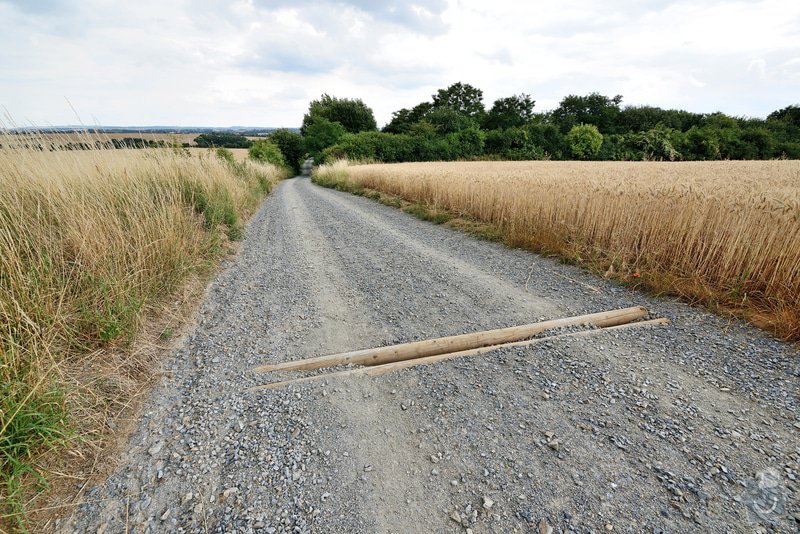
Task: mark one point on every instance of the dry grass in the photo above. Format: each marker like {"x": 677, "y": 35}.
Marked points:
{"x": 91, "y": 137}
{"x": 239, "y": 154}
{"x": 722, "y": 233}
{"x": 90, "y": 243}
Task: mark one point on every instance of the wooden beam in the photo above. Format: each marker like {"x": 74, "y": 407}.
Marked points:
{"x": 404, "y": 364}
{"x": 444, "y": 345}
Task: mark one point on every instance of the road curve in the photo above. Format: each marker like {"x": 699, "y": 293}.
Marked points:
{"x": 667, "y": 429}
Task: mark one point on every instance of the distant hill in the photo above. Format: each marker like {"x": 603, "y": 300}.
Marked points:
{"x": 253, "y": 131}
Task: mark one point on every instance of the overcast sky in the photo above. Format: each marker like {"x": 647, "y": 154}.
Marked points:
{"x": 259, "y": 62}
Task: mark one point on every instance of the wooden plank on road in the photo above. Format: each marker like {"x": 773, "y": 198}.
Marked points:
{"x": 443, "y": 345}
{"x": 394, "y": 366}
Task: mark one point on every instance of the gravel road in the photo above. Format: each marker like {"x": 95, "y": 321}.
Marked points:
{"x": 692, "y": 427}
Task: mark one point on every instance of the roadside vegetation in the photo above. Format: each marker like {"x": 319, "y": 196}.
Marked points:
{"x": 722, "y": 234}
{"x": 92, "y": 243}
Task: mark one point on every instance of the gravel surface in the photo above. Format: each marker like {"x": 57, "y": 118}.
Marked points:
{"x": 691, "y": 427}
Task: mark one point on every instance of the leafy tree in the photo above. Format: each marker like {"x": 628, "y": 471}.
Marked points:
{"x": 657, "y": 144}
{"x": 403, "y": 119}
{"x": 389, "y": 148}
{"x": 423, "y": 129}
{"x": 292, "y": 146}
{"x": 643, "y": 118}
{"x": 353, "y": 114}
{"x": 584, "y": 141}
{"x": 513, "y": 144}
{"x": 500, "y": 140}
{"x": 448, "y": 120}
{"x": 700, "y": 143}
{"x": 788, "y": 149}
{"x": 461, "y": 97}
{"x": 760, "y": 143}
{"x": 784, "y": 124}
{"x": 320, "y": 134}
{"x": 549, "y": 138}
{"x": 618, "y": 147}
{"x": 720, "y": 136}
{"x": 596, "y": 109}
{"x": 510, "y": 112}
{"x": 789, "y": 115}
{"x": 267, "y": 152}
{"x": 720, "y": 121}
{"x": 223, "y": 140}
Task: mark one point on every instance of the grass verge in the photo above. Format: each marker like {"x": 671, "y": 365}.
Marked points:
{"x": 92, "y": 244}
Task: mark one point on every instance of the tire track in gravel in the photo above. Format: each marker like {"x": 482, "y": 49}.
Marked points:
{"x": 388, "y": 464}
{"x": 470, "y": 273}
{"x": 423, "y": 291}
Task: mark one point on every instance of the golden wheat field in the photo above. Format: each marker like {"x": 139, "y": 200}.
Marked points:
{"x": 725, "y": 233}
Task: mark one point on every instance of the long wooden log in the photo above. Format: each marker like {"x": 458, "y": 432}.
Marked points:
{"x": 404, "y": 364}
{"x": 443, "y": 345}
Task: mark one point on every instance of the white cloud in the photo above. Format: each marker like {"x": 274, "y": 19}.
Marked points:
{"x": 758, "y": 67}
{"x": 259, "y": 62}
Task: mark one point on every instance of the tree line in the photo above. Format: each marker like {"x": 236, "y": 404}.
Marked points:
{"x": 454, "y": 124}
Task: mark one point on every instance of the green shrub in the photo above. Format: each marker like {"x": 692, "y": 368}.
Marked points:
{"x": 513, "y": 144}
{"x": 465, "y": 143}
{"x": 267, "y": 152}
{"x": 447, "y": 120}
{"x": 226, "y": 155}
{"x": 617, "y": 147}
{"x": 657, "y": 144}
{"x": 549, "y": 138}
{"x": 292, "y": 146}
{"x": 584, "y": 141}
{"x": 372, "y": 146}
{"x": 321, "y": 134}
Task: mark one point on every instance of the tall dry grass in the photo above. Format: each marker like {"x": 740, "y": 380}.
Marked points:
{"x": 723, "y": 233}
{"x": 88, "y": 241}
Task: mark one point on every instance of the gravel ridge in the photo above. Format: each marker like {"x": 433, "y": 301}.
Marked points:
{"x": 659, "y": 430}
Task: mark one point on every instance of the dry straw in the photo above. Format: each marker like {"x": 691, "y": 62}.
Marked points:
{"x": 726, "y": 233}
{"x": 90, "y": 241}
